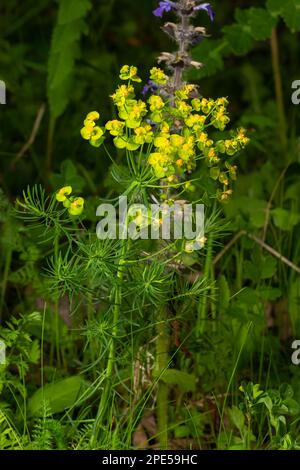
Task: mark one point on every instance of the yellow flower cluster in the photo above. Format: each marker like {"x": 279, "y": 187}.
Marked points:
{"x": 177, "y": 132}
{"x": 75, "y": 205}
{"x": 173, "y": 155}
{"x": 129, "y": 73}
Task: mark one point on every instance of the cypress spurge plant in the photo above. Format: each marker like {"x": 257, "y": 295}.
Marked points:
{"x": 174, "y": 147}
{"x": 167, "y": 132}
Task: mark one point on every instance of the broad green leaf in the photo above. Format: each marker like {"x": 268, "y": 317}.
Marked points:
{"x": 211, "y": 54}
{"x": 71, "y": 10}
{"x": 269, "y": 293}
{"x": 256, "y": 210}
{"x": 292, "y": 406}
{"x": 237, "y": 417}
{"x": 291, "y": 14}
{"x": 68, "y": 175}
{"x": 64, "y": 52}
{"x": 68, "y": 34}
{"x": 260, "y": 267}
{"x": 261, "y": 23}
{"x": 268, "y": 267}
{"x": 248, "y": 296}
{"x": 275, "y": 7}
{"x": 286, "y": 391}
{"x": 57, "y": 396}
{"x": 266, "y": 400}
{"x": 293, "y": 192}
{"x": 239, "y": 38}
{"x": 285, "y": 220}
{"x": 288, "y": 9}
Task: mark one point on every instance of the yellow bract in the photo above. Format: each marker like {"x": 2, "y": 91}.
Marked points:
{"x": 62, "y": 193}
{"x": 144, "y": 134}
{"x": 93, "y": 116}
{"x": 76, "y": 206}
{"x": 157, "y": 75}
{"x": 129, "y": 73}
{"x": 90, "y": 131}
{"x": 86, "y": 132}
{"x": 196, "y": 121}
{"x": 97, "y": 132}
{"x": 115, "y": 127}
{"x": 184, "y": 92}
{"x": 122, "y": 93}
{"x": 176, "y": 140}
{"x": 156, "y": 103}
{"x": 162, "y": 141}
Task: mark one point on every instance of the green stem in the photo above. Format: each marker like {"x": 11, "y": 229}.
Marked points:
{"x": 112, "y": 348}
{"x": 207, "y": 275}
{"x": 49, "y": 150}
{"x": 55, "y": 322}
{"x": 213, "y": 304}
{"x": 282, "y": 124}
{"x": 162, "y": 363}
{"x": 7, "y": 264}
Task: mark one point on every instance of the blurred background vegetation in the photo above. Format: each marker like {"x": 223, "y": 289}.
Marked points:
{"x": 60, "y": 63}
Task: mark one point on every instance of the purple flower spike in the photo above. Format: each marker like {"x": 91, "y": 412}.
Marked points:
{"x": 163, "y": 7}
{"x": 151, "y": 86}
{"x": 208, "y": 8}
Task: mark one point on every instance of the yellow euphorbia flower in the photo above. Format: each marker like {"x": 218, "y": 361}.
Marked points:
{"x": 115, "y": 127}
{"x": 158, "y": 76}
{"x": 93, "y": 116}
{"x": 207, "y": 105}
{"x": 176, "y": 140}
{"x": 222, "y": 102}
{"x": 212, "y": 156}
{"x": 241, "y": 138}
{"x": 133, "y": 113}
{"x": 156, "y": 103}
{"x": 182, "y": 109}
{"x": 86, "y": 132}
{"x": 164, "y": 128}
{"x": 129, "y": 73}
{"x": 226, "y": 195}
{"x": 144, "y": 134}
{"x": 90, "y": 131}
{"x": 161, "y": 164}
{"x": 185, "y": 92}
{"x": 196, "y": 121}
{"x": 97, "y": 132}
{"x": 63, "y": 193}
{"x": 122, "y": 93}
{"x": 162, "y": 142}
{"x": 76, "y": 206}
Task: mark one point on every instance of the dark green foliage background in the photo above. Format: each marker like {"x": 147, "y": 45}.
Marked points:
{"x": 70, "y": 64}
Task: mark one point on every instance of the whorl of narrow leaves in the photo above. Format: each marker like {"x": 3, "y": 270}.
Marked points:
{"x": 64, "y": 51}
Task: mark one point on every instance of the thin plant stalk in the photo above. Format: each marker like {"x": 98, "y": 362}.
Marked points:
{"x": 162, "y": 363}
{"x": 112, "y": 347}
{"x": 207, "y": 275}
